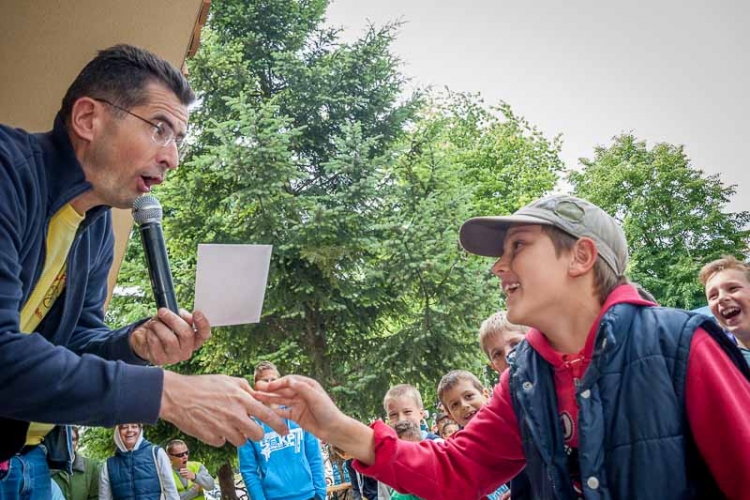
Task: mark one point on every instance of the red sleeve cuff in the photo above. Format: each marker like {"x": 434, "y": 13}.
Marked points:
{"x": 384, "y": 442}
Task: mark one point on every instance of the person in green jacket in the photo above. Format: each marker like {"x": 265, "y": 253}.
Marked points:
{"x": 191, "y": 478}
{"x": 83, "y": 484}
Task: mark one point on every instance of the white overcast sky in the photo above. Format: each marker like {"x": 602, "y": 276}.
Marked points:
{"x": 674, "y": 71}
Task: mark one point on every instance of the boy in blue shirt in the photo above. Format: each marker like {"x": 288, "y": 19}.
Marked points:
{"x": 282, "y": 467}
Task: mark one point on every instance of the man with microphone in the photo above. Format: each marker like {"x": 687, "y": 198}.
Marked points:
{"x": 117, "y": 134}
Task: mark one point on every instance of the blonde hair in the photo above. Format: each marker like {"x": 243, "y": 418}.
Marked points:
{"x": 452, "y": 378}
{"x": 175, "y": 442}
{"x": 403, "y": 390}
{"x": 263, "y": 366}
{"x": 496, "y": 324}
{"x": 726, "y": 262}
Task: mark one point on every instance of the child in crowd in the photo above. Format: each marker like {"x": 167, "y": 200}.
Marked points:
{"x": 497, "y": 337}
{"x": 404, "y": 402}
{"x": 463, "y": 395}
{"x": 282, "y": 467}
{"x": 727, "y": 283}
{"x": 442, "y": 420}
{"x": 449, "y": 429}
{"x": 608, "y": 396}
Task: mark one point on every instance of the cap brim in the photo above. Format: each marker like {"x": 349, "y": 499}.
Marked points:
{"x": 486, "y": 235}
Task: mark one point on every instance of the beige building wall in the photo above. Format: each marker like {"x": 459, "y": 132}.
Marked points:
{"x": 45, "y": 43}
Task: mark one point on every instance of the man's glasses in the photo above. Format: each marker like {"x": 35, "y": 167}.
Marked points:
{"x": 180, "y": 455}
{"x": 163, "y": 134}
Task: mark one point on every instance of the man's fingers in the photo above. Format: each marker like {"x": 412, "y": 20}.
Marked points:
{"x": 284, "y": 412}
{"x": 236, "y": 437}
{"x": 216, "y": 408}
{"x": 182, "y": 331}
{"x": 202, "y": 326}
{"x": 293, "y": 386}
{"x": 162, "y": 343}
{"x": 275, "y": 398}
{"x": 293, "y": 382}
{"x": 255, "y": 408}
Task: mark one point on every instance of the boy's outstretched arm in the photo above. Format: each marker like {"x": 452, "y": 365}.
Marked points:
{"x": 717, "y": 401}
{"x": 305, "y": 402}
{"x": 470, "y": 465}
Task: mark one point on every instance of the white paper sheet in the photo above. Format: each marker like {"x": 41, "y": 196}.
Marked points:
{"x": 230, "y": 282}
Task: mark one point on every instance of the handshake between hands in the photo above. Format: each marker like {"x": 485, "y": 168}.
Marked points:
{"x": 220, "y": 408}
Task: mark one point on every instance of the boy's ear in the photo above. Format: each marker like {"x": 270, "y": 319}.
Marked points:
{"x": 583, "y": 257}
{"x": 486, "y": 393}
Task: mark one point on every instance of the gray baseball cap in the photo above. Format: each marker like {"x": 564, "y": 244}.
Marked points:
{"x": 574, "y": 216}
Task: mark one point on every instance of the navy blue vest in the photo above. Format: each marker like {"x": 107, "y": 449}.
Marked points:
{"x": 133, "y": 474}
{"x": 633, "y": 435}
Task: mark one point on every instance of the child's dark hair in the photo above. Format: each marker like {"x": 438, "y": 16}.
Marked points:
{"x": 452, "y": 378}
{"x": 446, "y": 426}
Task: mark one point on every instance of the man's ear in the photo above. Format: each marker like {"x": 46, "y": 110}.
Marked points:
{"x": 86, "y": 117}
{"x": 583, "y": 257}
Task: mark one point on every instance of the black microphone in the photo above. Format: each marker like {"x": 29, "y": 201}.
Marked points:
{"x": 147, "y": 214}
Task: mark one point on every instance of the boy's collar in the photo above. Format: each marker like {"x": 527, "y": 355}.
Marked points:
{"x": 623, "y": 294}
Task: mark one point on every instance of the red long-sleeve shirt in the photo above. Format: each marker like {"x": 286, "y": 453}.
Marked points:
{"x": 488, "y": 452}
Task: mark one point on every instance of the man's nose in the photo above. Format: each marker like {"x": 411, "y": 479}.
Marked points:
{"x": 169, "y": 156}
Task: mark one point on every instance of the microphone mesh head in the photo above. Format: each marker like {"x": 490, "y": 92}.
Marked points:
{"x": 146, "y": 209}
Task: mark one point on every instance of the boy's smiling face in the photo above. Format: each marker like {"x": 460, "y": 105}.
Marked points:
{"x": 404, "y": 408}
{"x": 463, "y": 401}
{"x": 728, "y": 294}
{"x": 531, "y": 274}
{"x": 498, "y": 346}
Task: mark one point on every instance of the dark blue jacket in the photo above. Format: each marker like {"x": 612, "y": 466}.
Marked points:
{"x": 133, "y": 474}
{"x": 633, "y": 434}
{"x": 45, "y": 376}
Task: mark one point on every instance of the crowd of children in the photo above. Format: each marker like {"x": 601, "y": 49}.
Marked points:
{"x": 607, "y": 396}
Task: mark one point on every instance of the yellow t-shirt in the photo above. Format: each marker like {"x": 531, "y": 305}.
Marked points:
{"x": 62, "y": 232}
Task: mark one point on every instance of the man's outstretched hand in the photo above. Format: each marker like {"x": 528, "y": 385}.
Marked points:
{"x": 216, "y": 408}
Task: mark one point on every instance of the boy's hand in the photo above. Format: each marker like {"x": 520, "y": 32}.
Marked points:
{"x": 305, "y": 402}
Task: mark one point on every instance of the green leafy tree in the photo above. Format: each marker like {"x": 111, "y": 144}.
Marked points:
{"x": 674, "y": 215}
{"x": 310, "y": 145}
{"x": 287, "y": 148}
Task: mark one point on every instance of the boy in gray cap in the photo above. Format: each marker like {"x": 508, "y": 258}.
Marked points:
{"x": 608, "y": 397}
